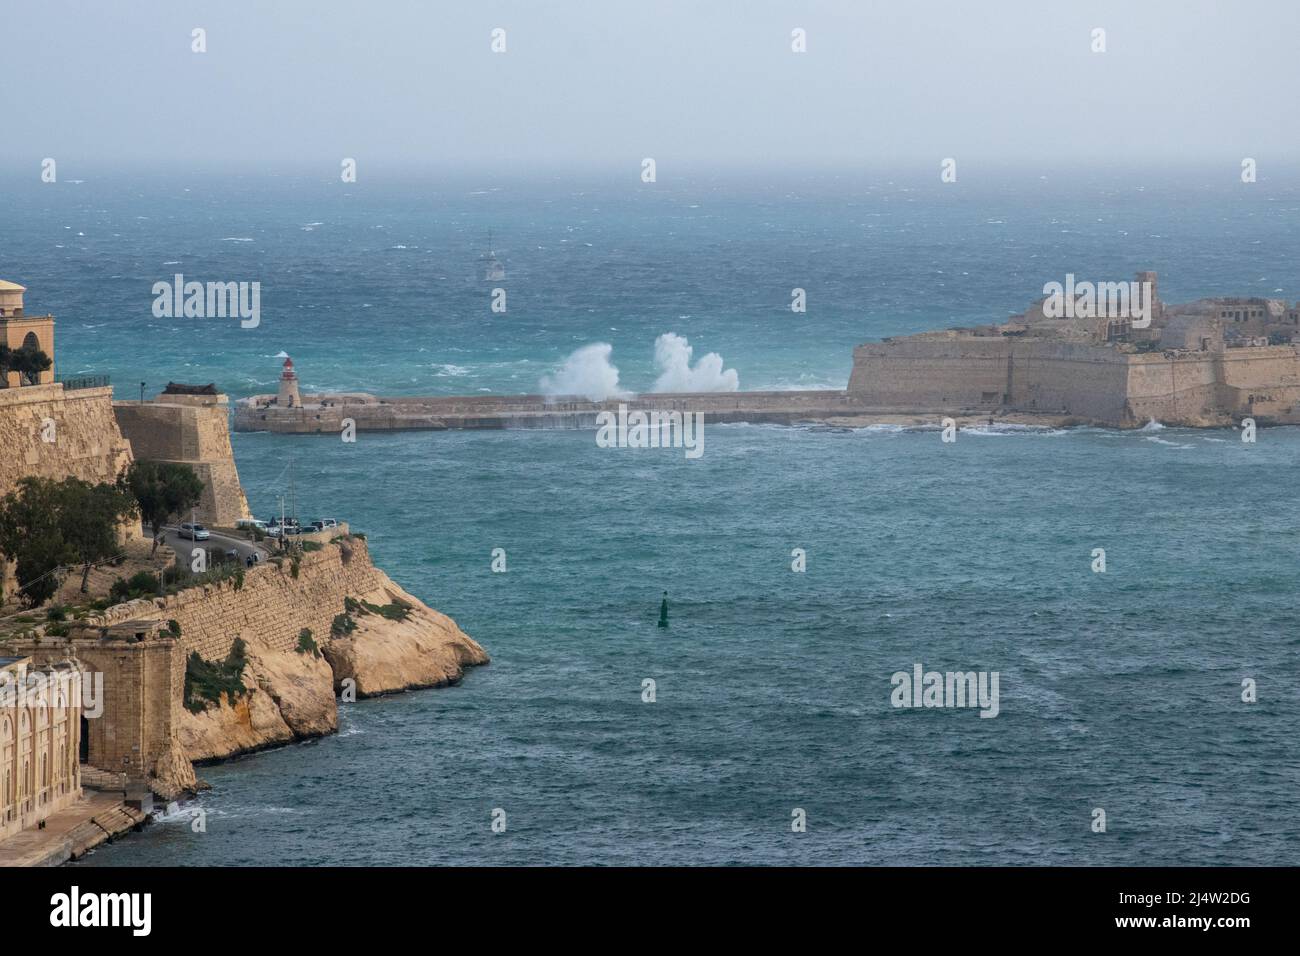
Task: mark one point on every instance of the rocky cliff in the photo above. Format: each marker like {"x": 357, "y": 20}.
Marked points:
{"x": 328, "y": 621}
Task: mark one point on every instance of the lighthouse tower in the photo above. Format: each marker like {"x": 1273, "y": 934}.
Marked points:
{"x": 289, "y": 397}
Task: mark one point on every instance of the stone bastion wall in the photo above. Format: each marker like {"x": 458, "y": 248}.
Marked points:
{"x": 194, "y": 433}
{"x": 86, "y": 442}
{"x": 271, "y": 607}
{"x": 960, "y": 373}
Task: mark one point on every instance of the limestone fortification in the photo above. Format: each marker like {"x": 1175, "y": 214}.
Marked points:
{"x": 189, "y": 429}
{"x": 1207, "y": 363}
{"x": 52, "y": 432}
{"x": 969, "y": 374}
{"x": 287, "y": 611}
{"x": 146, "y": 731}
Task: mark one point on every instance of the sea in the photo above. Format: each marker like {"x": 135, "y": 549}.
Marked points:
{"x": 1147, "y": 712}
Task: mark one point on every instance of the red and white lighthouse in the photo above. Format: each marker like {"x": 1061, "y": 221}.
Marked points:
{"x": 289, "y": 397}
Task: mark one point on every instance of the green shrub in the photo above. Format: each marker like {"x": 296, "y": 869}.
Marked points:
{"x": 312, "y": 545}
{"x": 307, "y": 644}
{"x": 342, "y": 625}
{"x": 56, "y": 612}
{"x": 174, "y": 626}
{"x": 397, "y": 611}
{"x": 144, "y": 583}
{"x": 206, "y": 681}
{"x": 294, "y": 565}
{"x": 57, "y": 629}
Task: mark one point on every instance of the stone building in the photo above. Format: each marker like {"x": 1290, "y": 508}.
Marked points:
{"x": 41, "y": 734}
{"x": 19, "y": 330}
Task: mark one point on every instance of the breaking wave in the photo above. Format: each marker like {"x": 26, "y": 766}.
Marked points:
{"x": 676, "y": 374}
{"x": 589, "y": 372}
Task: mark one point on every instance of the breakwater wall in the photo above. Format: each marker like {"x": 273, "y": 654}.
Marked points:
{"x": 327, "y": 413}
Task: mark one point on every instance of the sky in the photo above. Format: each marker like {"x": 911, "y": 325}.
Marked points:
{"x": 690, "y": 83}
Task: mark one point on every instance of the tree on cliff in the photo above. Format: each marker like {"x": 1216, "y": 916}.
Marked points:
{"x": 90, "y": 517}
{"x": 30, "y": 535}
{"x": 161, "y": 490}
{"x": 47, "y": 525}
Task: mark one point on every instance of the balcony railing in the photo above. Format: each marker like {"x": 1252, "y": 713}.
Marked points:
{"x": 71, "y": 382}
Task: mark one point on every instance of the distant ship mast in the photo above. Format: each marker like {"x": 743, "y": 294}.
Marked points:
{"x": 493, "y": 270}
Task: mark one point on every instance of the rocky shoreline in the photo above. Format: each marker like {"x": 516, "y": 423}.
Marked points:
{"x": 294, "y": 695}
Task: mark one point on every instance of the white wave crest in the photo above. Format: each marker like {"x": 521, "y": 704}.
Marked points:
{"x": 676, "y": 374}
{"x": 587, "y": 372}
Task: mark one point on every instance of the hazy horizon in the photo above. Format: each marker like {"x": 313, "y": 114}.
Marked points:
{"x": 590, "y": 86}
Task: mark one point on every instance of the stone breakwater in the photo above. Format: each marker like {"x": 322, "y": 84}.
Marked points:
{"x": 319, "y": 414}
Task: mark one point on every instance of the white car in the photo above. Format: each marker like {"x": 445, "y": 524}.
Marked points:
{"x": 245, "y": 524}
{"x": 195, "y": 532}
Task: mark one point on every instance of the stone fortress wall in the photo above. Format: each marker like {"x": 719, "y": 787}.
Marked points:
{"x": 87, "y": 443}
{"x": 962, "y": 373}
{"x": 271, "y": 607}
{"x": 144, "y": 730}
{"x": 1056, "y": 370}
{"x": 190, "y": 430}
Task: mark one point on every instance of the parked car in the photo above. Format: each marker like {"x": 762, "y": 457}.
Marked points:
{"x": 273, "y": 531}
{"x": 244, "y": 524}
{"x": 326, "y": 523}
{"x": 195, "y": 532}
{"x": 292, "y": 529}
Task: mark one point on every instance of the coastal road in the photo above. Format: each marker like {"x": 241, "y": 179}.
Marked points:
{"x": 217, "y": 542}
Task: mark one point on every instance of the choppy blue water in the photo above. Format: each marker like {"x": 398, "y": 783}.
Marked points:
{"x": 1119, "y": 691}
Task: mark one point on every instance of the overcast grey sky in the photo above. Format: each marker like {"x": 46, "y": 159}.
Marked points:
{"x": 585, "y": 83}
